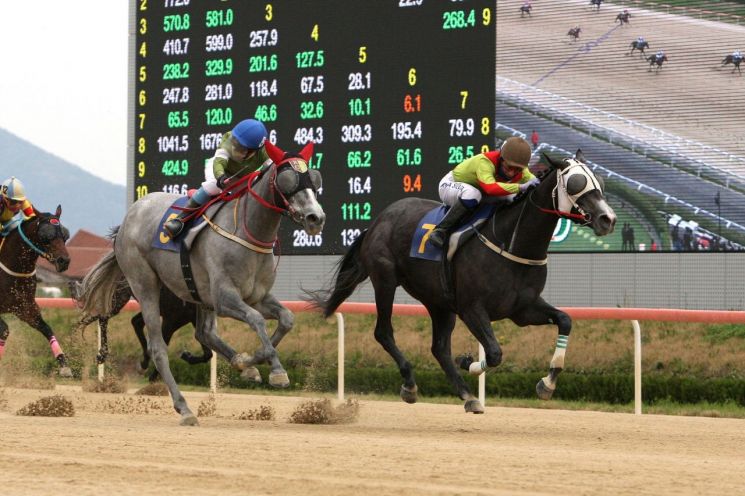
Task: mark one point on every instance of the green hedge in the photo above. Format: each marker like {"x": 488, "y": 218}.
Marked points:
{"x": 601, "y": 388}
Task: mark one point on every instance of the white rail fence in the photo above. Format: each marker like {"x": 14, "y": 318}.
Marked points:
{"x": 634, "y": 315}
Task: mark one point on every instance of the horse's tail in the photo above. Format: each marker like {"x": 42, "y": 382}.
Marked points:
{"x": 349, "y": 273}
{"x": 100, "y": 285}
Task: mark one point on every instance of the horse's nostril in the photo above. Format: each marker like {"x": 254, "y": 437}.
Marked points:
{"x": 311, "y": 218}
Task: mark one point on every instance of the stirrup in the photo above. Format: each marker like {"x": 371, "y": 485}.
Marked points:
{"x": 437, "y": 238}
{"x": 169, "y": 227}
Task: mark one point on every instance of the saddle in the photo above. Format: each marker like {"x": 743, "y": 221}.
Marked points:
{"x": 421, "y": 248}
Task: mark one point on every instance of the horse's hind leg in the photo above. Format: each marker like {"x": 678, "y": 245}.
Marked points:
{"x": 33, "y": 318}
{"x": 149, "y": 297}
{"x": 103, "y": 351}
{"x": 443, "y": 322}
{"x": 138, "y": 324}
{"x": 542, "y": 314}
{"x": 385, "y": 291}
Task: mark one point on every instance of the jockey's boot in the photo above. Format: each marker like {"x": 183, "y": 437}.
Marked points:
{"x": 453, "y": 216}
{"x": 176, "y": 225}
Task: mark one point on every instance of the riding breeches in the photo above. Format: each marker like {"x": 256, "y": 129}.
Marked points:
{"x": 210, "y": 182}
{"x": 451, "y": 191}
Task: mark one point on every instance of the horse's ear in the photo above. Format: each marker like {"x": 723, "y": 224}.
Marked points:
{"x": 274, "y": 152}
{"x": 579, "y": 155}
{"x": 553, "y": 164}
{"x": 58, "y": 212}
{"x": 307, "y": 151}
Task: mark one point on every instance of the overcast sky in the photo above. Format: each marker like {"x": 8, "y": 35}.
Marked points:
{"x": 64, "y": 80}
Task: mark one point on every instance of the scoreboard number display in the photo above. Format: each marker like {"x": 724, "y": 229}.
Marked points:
{"x": 393, "y": 93}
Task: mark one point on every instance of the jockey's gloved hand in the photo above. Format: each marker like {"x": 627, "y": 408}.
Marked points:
{"x": 223, "y": 181}
{"x": 530, "y": 184}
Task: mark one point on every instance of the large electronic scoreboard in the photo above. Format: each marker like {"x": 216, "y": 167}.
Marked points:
{"x": 393, "y": 92}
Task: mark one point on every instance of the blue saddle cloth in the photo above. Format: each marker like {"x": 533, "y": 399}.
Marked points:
{"x": 420, "y": 246}
{"x": 161, "y": 239}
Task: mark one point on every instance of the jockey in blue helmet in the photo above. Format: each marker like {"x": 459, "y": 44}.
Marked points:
{"x": 241, "y": 152}
{"x": 14, "y": 206}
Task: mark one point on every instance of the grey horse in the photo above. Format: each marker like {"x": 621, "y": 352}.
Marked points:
{"x": 233, "y": 266}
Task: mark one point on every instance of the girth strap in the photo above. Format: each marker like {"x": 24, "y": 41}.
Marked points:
{"x": 505, "y": 253}
{"x": 187, "y": 273}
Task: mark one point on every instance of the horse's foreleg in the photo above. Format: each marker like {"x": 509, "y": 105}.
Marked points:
{"x": 230, "y": 304}
{"x": 443, "y": 322}
{"x": 271, "y": 308}
{"x": 477, "y": 321}
{"x": 542, "y": 314}
{"x": 4, "y": 333}
{"x": 33, "y": 318}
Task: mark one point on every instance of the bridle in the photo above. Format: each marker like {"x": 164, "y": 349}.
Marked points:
{"x": 44, "y": 254}
{"x": 564, "y": 202}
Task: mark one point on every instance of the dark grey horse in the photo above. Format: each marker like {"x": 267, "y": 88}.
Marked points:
{"x": 233, "y": 266}
{"x": 635, "y": 45}
{"x": 499, "y": 275}
{"x": 657, "y": 60}
{"x": 734, "y": 60}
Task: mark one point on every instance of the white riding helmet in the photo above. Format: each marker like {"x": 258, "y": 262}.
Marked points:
{"x": 13, "y": 189}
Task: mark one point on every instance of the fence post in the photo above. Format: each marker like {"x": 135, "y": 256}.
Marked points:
{"x": 637, "y": 367}
{"x": 340, "y": 372}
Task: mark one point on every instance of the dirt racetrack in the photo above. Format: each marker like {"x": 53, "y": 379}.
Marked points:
{"x": 393, "y": 448}
{"x": 692, "y": 96}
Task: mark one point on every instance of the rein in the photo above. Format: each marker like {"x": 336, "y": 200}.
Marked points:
{"x": 30, "y": 244}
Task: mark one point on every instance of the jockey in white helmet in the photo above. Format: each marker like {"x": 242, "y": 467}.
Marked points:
{"x": 14, "y": 207}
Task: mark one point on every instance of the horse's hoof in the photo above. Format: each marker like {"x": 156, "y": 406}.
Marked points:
{"x": 409, "y": 395}
{"x": 473, "y": 406}
{"x": 65, "y": 372}
{"x": 279, "y": 379}
{"x": 543, "y": 391}
{"x": 241, "y": 361}
{"x": 189, "y": 421}
{"x": 251, "y": 374}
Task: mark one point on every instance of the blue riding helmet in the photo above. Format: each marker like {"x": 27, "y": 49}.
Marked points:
{"x": 250, "y": 133}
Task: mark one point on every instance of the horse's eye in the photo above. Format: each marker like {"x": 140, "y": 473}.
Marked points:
{"x": 576, "y": 184}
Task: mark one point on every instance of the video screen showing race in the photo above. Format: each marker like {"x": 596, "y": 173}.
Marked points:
{"x": 652, "y": 94}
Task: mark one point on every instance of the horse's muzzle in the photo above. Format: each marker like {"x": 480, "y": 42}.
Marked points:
{"x": 61, "y": 263}
{"x": 604, "y": 224}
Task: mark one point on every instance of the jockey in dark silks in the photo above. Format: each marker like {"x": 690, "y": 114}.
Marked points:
{"x": 14, "y": 206}
{"x": 502, "y": 173}
{"x": 241, "y": 152}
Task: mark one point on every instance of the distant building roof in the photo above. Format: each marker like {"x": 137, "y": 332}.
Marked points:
{"x": 87, "y": 239}
{"x": 85, "y": 250}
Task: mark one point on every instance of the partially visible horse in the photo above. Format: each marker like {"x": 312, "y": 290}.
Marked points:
{"x": 525, "y": 9}
{"x": 623, "y": 17}
{"x": 635, "y": 45}
{"x": 42, "y": 235}
{"x": 574, "y": 33}
{"x": 497, "y": 275}
{"x": 175, "y": 314}
{"x": 656, "y": 60}
{"x": 596, "y": 4}
{"x": 735, "y": 61}
{"x": 232, "y": 265}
